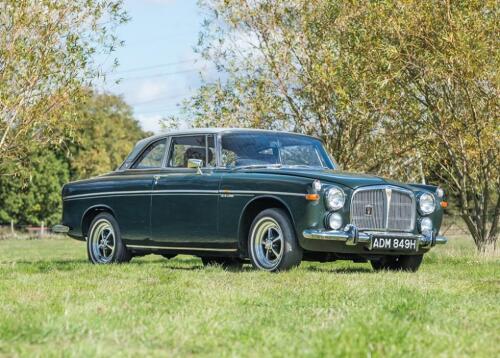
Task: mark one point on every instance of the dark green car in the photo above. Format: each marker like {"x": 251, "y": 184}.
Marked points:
{"x": 232, "y": 195}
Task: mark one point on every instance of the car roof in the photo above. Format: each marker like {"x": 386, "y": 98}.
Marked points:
{"x": 214, "y": 131}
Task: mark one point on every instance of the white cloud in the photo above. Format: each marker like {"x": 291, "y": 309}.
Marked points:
{"x": 149, "y": 90}
{"x": 150, "y": 122}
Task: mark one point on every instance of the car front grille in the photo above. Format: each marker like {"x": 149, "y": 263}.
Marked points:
{"x": 384, "y": 208}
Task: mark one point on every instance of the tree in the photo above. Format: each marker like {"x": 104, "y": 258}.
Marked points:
{"x": 406, "y": 89}
{"x": 38, "y": 199}
{"x": 436, "y": 66}
{"x": 105, "y": 133}
{"x": 46, "y": 55}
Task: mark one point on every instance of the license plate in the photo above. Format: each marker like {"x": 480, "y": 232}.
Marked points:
{"x": 400, "y": 244}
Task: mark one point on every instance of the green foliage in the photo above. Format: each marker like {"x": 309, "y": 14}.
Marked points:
{"x": 105, "y": 133}
{"x": 47, "y": 51}
{"x": 54, "y": 303}
{"x": 39, "y": 198}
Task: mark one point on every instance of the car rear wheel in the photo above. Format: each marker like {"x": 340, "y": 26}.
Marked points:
{"x": 410, "y": 263}
{"x": 104, "y": 244}
{"x": 225, "y": 262}
{"x": 272, "y": 244}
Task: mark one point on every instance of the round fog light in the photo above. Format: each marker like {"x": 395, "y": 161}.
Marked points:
{"x": 425, "y": 225}
{"x": 335, "y": 221}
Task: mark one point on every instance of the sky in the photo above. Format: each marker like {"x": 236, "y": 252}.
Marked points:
{"x": 158, "y": 67}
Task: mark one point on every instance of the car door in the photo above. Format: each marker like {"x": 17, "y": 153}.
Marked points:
{"x": 133, "y": 207}
{"x": 185, "y": 200}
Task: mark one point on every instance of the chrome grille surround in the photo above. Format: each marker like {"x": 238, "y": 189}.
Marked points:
{"x": 390, "y": 208}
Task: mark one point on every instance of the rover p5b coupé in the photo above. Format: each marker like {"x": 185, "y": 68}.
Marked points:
{"x": 233, "y": 195}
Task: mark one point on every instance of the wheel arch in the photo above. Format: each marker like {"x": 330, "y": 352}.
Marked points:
{"x": 91, "y": 213}
{"x": 252, "y": 209}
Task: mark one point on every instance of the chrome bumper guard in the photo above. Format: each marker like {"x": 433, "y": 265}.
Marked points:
{"x": 352, "y": 236}
{"x": 60, "y": 229}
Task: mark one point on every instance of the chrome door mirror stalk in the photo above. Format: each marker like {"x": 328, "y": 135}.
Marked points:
{"x": 195, "y": 163}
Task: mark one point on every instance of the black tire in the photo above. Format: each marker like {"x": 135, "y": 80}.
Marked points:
{"x": 99, "y": 251}
{"x": 227, "y": 263}
{"x": 409, "y": 263}
{"x": 272, "y": 244}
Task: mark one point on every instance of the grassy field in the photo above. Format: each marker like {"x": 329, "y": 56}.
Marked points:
{"x": 53, "y": 303}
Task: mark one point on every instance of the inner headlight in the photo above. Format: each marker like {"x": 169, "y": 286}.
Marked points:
{"x": 426, "y": 203}
{"x": 334, "y": 198}
{"x": 334, "y": 221}
{"x": 425, "y": 225}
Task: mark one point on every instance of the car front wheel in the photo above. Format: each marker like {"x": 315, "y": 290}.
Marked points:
{"x": 104, "y": 244}
{"x": 409, "y": 263}
{"x": 272, "y": 244}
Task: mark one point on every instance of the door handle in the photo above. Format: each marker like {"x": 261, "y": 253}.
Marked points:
{"x": 156, "y": 178}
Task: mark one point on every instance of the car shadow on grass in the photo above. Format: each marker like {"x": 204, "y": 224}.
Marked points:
{"x": 340, "y": 270}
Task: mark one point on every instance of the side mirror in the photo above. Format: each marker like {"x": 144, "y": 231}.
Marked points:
{"x": 195, "y": 164}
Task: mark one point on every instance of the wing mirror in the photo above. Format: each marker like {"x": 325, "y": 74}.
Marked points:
{"x": 195, "y": 164}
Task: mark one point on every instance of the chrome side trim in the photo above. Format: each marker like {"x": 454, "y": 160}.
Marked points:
{"x": 170, "y": 192}
{"x": 180, "y": 248}
{"x": 108, "y": 193}
{"x": 262, "y": 192}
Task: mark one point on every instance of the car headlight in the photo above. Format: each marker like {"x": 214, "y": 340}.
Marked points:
{"x": 334, "y": 198}
{"x": 334, "y": 221}
{"x": 426, "y": 204}
{"x": 425, "y": 225}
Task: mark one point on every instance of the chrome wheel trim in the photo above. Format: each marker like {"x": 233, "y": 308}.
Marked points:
{"x": 267, "y": 243}
{"x": 102, "y": 241}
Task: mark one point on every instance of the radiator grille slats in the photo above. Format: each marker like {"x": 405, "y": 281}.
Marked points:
{"x": 369, "y": 198}
{"x": 383, "y": 208}
{"x": 400, "y": 211}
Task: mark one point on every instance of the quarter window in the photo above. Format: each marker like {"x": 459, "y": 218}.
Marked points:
{"x": 192, "y": 147}
{"x": 152, "y": 157}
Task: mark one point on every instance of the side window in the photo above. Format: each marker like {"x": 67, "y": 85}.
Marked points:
{"x": 152, "y": 157}
{"x": 192, "y": 147}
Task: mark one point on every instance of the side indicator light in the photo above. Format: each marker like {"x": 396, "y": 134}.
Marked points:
{"x": 444, "y": 204}
{"x": 312, "y": 197}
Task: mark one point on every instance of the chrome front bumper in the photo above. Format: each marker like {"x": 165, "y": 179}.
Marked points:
{"x": 60, "y": 229}
{"x": 352, "y": 236}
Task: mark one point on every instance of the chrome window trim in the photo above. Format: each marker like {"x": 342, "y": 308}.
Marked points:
{"x": 393, "y": 188}
{"x": 206, "y": 135}
{"x": 138, "y": 157}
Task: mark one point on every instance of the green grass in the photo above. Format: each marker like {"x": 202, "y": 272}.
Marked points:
{"x": 53, "y": 303}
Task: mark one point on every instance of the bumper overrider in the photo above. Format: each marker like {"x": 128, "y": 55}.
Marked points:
{"x": 352, "y": 236}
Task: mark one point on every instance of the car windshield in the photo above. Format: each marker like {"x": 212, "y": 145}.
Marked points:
{"x": 273, "y": 149}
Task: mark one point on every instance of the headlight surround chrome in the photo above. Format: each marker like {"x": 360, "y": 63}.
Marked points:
{"x": 426, "y": 204}
{"x": 425, "y": 225}
{"x": 334, "y": 198}
{"x": 334, "y": 221}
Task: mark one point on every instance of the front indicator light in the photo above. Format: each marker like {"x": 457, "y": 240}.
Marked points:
{"x": 312, "y": 197}
{"x": 334, "y": 221}
{"x": 444, "y": 204}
